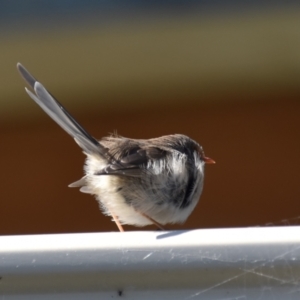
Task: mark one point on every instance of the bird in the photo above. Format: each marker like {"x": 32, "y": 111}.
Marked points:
{"x": 136, "y": 182}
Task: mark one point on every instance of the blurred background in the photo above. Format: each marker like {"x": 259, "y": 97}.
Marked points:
{"x": 226, "y": 73}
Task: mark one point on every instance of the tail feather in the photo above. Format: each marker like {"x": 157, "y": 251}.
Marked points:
{"x": 79, "y": 183}
{"x": 60, "y": 114}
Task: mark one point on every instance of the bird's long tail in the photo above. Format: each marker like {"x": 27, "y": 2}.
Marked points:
{"x": 60, "y": 115}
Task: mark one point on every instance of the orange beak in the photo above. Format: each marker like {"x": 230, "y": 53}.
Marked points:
{"x": 208, "y": 160}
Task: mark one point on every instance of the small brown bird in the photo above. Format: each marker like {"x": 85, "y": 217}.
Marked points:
{"x": 137, "y": 182}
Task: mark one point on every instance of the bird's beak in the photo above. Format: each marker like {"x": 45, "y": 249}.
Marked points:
{"x": 208, "y": 160}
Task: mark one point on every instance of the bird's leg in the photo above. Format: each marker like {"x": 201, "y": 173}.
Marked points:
{"x": 153, "y": 221}
{"x": 120, "y": 227}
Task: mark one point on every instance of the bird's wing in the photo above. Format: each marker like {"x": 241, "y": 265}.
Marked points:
{"x": 134, "y": 163}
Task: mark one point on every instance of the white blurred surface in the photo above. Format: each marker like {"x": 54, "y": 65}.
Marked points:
{"x": 241, "y": 263}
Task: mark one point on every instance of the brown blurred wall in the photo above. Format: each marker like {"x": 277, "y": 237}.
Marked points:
{"x": 255, "y": 182}
{"x": 230, "y": 81}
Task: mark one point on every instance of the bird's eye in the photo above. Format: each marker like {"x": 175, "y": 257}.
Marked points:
{"x": 133, "y": 150}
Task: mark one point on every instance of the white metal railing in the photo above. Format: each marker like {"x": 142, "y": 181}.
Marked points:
{"x": 241, "y": 263}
